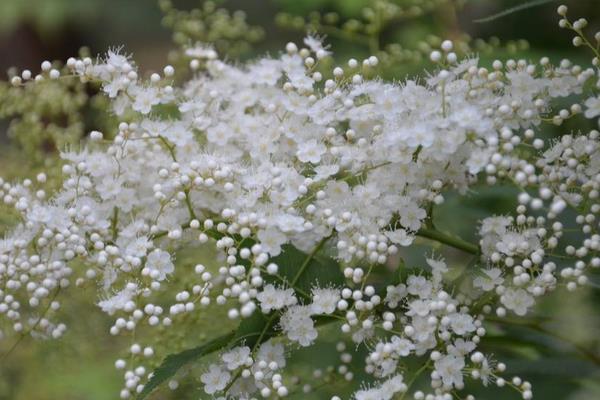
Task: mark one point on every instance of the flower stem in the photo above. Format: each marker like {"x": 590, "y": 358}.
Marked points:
{"x": 448, "y": 240}
{"x": 114, "y": 223}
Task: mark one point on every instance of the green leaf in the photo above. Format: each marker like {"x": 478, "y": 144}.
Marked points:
{"x": 173, "y": 362}
{"x": 249, "y": 331}
{"x": 522, "y": 346}
{"x": 557, "y": 367}
{"x": 321, "y": 271}
{"x": 512, "y": 10}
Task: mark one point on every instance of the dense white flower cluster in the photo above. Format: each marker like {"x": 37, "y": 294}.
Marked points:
{"x": 257, "y": 157}
{"x": 256, "y": 372}
{"x": 567, "y": 175}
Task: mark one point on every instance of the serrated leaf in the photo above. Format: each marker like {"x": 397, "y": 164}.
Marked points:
{"x": 174, "y": 362}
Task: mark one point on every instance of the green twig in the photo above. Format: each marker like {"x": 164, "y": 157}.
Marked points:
{"x": 449, "y": 240}
{"x": 512, "y": 10}
{"x": 114, "y": 223}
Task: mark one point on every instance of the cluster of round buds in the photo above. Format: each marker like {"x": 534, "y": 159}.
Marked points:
{"x": 132, "y": 377}
{"x": 339, "y": 75}
{"x": 446, "y": 56}
{"x": 47, "y": 71}
{"x": 580, "y": 38}
{"x": 374, "y": 248}
{"x": 364, "y": 300}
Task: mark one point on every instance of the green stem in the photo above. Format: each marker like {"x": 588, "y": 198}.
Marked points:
{"x": 448, "y": 240}
{"x": 114, "y": 223}
{"x": 169, "y": 146}
{"x": 188, "y": 203}
{"x": 308, "y": 260}
{"x": 414, "y": 378}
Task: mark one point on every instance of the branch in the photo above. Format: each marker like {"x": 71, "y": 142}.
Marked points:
{"x": 448, "y": 240}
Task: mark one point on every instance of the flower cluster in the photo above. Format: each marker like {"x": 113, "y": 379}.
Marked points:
{"x": 256, "y": 372}
{"x": 261, "y": 158}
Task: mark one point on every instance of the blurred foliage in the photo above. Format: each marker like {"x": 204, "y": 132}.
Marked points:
{"x": 46, "y": 15}
{"x": 401, "y": 33}
{"x": 228, "y": 32}
{"x": 49, "y": 116}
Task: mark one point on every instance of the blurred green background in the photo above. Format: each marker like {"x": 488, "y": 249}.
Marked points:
{"x": 80, "y": 365}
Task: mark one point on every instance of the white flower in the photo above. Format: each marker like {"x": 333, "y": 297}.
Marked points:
{"x": 145, "y": 99}
{"x": 461, "y": 323}
{"x": 119, "y": 300}
{"x": 517, "y": 243}
{"x": 219, "y": 134}
{"x": 266, "y": 72}
{"x": 517, "y": 300}
{"x": 485, "y": 372}
{"x": 118, "y": 61}
{"x": 311, "y": 151}
{"x": 324, "y": 171}
{"x": 116, "y": 85}
{"x": 593, "y": 107}
{"x": 411, "y": 215}
{"x": 489, "y": 280}
{"x": 370, "y": 394}
{"x": 298, "y": 325}
{"x": 450, "y": 369}
{"x": 137, "y": 247}
{"x": 271, "y": 240}
{"x": 461, "y": 348}
{"x": 385, "y": 391}
{"x": 159, "y": 264}
{"x": 423, "y": 330}
{"x": 324, "y": 300}
{"x": 236, "y": 357}
{"x": 497, "y": 225}
{"x": 438, "y": 268}
{"x": 478, "y": 160}
{"x": 419, "y": 285}
{"x": 395, "y": 294}
{"x": 270, "y": 351}
{"x": 402, "y": 347}
{"x": 419, "y": 307}
{"x": 215, "y": 379}
{"x": 393, "y": 386}
{"x": 272, "y": 298}
{"x": 400, "y": 236}
{"x": 315, "y": 44}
